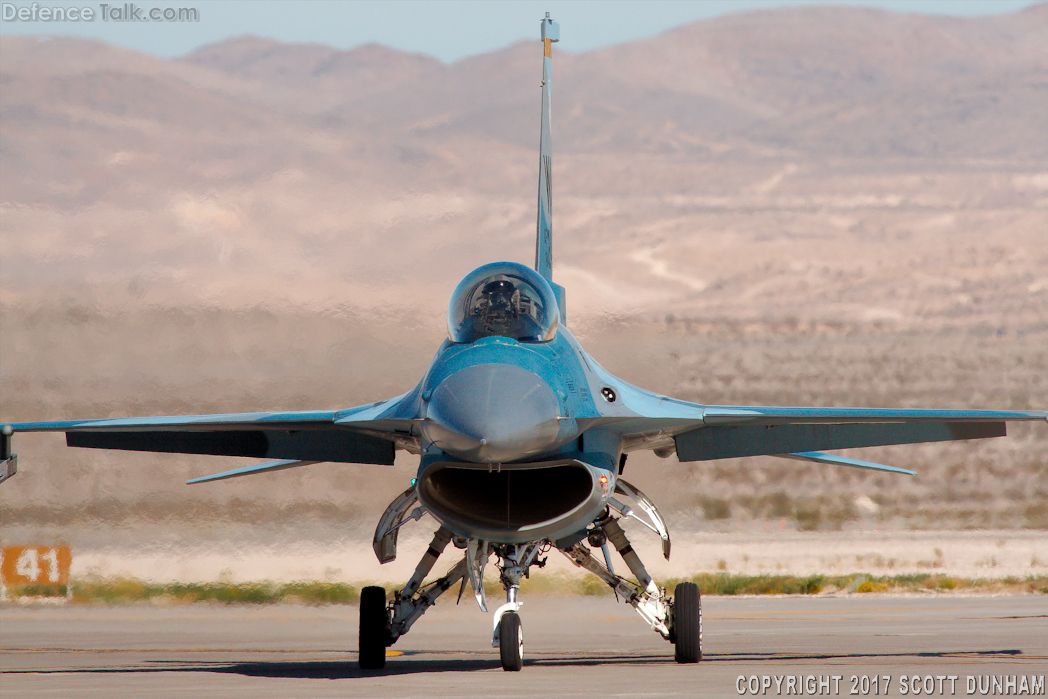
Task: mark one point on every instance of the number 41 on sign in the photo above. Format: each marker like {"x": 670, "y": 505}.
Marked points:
{"x": 35, "y": 565}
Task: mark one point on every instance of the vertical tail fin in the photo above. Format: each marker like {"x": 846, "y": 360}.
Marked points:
{"x": 544, "y": 232}
{"x": 544, "y": 239}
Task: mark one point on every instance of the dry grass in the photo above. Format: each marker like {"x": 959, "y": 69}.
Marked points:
{"x": 131, "y": 591}
{"x": 117, "y": 591}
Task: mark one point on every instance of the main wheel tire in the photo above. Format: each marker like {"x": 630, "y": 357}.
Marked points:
{"x": 687, "y": 623}
{"x": 374, "y": 628}
{"x": 511, "y": 642}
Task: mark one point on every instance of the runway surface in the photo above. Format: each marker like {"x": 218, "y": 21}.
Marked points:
{"x": 573, "y": 647}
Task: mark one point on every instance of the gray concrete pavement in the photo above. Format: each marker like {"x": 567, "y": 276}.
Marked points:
{"x": 573, "y": 647}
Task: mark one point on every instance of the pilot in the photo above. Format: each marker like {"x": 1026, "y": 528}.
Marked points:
{"x": 499, "y": 308}
{"x": 502, "y": 306}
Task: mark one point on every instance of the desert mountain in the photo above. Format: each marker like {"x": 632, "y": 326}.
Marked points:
{"x": 745, "y": 79}
{"x": 331, "y": 170}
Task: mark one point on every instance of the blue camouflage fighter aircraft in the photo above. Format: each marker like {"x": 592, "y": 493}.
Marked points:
{"x": 523, "y": 438}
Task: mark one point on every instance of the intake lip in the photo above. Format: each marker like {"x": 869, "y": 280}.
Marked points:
{"x": 517, "y": 504}
{"x": 492, "y": 413}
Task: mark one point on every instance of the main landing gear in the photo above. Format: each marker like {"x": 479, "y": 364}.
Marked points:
{"x": 678, "y": 619}
{"x": 374, "y": 628}
{"x": 687, "y": 623}
{"x": 381, "y": 624}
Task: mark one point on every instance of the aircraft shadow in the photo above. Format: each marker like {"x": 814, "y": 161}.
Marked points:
{"x": 348, "y": 669}
{"x": 407, "y": 665}
{"x": 341, "y": 669}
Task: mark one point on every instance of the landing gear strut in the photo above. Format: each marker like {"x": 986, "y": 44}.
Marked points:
{"x": 677, "y": 619}
{"x": 381, "y": 624}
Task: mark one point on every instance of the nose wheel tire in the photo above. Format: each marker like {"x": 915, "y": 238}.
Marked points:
{"x": 511, "y": 642}
{"x": 687, "y": 623}
{"x": 374, "y": 628}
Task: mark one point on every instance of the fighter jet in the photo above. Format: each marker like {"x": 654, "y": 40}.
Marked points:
{"x": 522, "y": 439}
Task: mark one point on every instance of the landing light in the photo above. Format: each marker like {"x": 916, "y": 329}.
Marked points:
{"x": 603, "y": 480}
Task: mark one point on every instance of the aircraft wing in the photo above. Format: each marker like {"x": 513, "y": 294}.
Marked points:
{"x": 367, "y": 434}
{"x": 730, "y": 431}
{"x": 705, "y": 432}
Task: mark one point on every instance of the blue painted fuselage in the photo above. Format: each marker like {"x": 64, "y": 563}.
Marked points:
{"x": 506, "y": 433}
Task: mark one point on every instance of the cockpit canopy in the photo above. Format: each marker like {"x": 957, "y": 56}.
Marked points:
{"x": 505, "y": 299}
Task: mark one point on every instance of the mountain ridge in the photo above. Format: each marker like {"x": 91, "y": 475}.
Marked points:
{"x": 239, "y": 163}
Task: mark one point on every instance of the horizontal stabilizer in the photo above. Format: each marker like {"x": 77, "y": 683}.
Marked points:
{"x": 820, "y": 458}
{"x": 267, "y": 467}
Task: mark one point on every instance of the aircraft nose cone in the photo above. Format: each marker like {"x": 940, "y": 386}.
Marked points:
{"x": 492, "y": 413}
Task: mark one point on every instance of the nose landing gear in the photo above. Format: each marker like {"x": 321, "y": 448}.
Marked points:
{"x": 508, "y": 636}
{"x": 511, "y": 642}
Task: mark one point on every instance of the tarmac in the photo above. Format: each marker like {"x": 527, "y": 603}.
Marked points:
{"x": 865, "y": 645}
